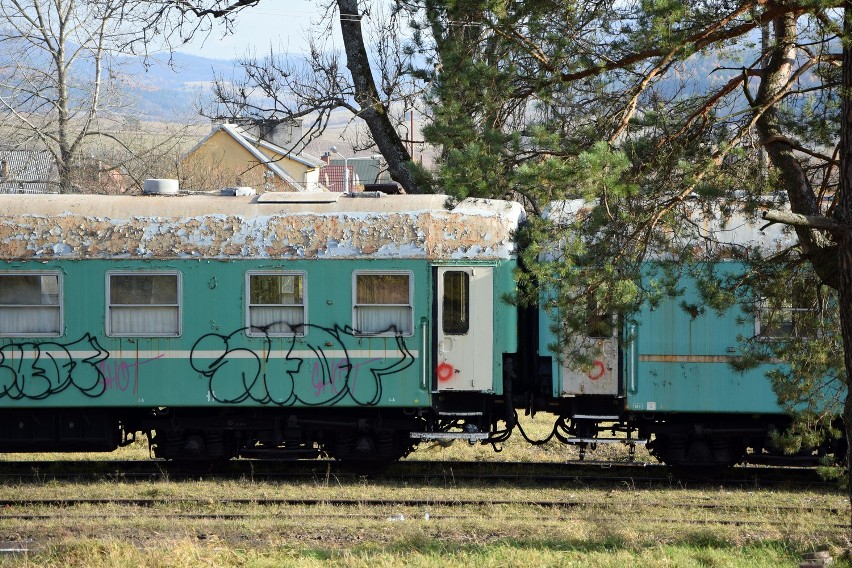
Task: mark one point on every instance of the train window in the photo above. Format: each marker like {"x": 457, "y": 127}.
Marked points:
{"x": 31, "y": 304}
{"x": 145, "y": 304}
{"x": 382, "y": 303}
{"x": 456, "y": 304}
{"x": 786, "y": 319}
{"x": 276, "y": 304}
{"x": 785, "y": 322}
{"x": 598, "y": 322}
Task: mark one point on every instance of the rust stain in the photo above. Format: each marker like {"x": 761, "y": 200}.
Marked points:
{"x": 687, "y": 358}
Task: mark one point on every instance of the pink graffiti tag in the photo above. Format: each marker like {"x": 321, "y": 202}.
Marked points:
{"x": 119, "y": 374}
{"x": 337, "y": 380}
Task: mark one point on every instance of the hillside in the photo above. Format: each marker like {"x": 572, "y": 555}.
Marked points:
{"x": 170, "y": 88}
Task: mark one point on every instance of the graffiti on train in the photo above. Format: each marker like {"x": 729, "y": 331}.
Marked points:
{"x": 36, "y": 371}
{"x": 317, "y": 371}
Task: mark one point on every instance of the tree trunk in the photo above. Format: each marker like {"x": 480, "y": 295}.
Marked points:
{"x": 774, "y": 79}
{"x": 373, "y": 112}
{"x": 843, "y": 214}
{"x": 832, "y": 262}
{"x": 845, "y": 294}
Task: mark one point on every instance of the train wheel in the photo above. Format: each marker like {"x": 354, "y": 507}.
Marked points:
{"x": 696, "y": 453}
{"x": 195, "y": 451}
{"x": 369, "y": 453}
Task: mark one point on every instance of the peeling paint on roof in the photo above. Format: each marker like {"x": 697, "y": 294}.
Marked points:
{"x": 713, "y": 235}
{"x": 146, "y": 227}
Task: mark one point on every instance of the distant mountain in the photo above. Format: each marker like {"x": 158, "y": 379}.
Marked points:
{"x": 165, "y": 87}
{"x": 176, "y": 72}
{"x": 157, "y": 87}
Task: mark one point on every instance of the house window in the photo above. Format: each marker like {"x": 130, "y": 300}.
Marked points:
{"x": 276, "y": 304}
{"x": 382, "y": 303}
{"x": 143, "y": 304}
{"x": 455, "y": 317}
{"x": 31, "y": 304}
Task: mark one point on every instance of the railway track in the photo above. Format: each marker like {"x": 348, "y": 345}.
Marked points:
{"x": 539, "y": 511}
{"x": 148, "y": 502}
{"x": 538, "y": 473}
{"x": 45, "y": 504}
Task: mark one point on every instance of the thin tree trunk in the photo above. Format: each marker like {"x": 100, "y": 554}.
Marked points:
{"x": 373, "y": 112}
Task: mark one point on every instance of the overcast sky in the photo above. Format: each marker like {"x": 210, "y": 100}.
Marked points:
{"x": 282, "y": 24}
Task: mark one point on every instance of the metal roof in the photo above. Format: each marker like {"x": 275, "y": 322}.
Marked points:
{"x": 28, "y": 171}
{"x": 712, "y": 233}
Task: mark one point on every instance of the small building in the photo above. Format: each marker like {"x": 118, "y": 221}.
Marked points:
{"x": 368, "y": 170}
{"x": 28, "y": 171}
{"x": 250, "y": 154}
{"x": 333, "y": 177}
{"x": 363, "y": 171}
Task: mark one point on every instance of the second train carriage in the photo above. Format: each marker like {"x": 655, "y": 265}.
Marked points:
{"x": 284, "y": 323}
{"x": 667, "y": 377}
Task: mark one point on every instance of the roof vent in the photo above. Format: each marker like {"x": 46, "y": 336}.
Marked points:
{"x": 369, "y": 194}
{"x": 238, "y": 191}
{"x": 160, "y": 187}
{"x": 299, "y": 197}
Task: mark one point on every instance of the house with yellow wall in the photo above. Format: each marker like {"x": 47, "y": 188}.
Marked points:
{"x": 233, "y": 155}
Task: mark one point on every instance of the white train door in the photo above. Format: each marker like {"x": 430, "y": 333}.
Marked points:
{"x": 465, "y": 345}
{"x": 600, "y": 345}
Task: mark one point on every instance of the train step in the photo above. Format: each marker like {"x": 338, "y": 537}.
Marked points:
{"x": 471, "y": 437}
{"x": 459, "y": 414}
{"x": 604, "y": 418}
{"x": 283, "y": 454}
{"x": 638, "y": 441}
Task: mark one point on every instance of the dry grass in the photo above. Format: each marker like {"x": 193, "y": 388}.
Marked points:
{"x": 192, "y": 522}
{"x": 671, "y": 527}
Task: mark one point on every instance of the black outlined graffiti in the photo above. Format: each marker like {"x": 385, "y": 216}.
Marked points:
{"x": 237, "y": 374}
{"x": 38, "y": 370}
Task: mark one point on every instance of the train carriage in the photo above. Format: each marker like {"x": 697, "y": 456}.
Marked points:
{"x": 284, "y": 324}
{"x": 667, "y": 375}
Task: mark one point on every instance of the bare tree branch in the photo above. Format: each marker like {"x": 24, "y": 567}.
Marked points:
{"x": 817, "y": 222}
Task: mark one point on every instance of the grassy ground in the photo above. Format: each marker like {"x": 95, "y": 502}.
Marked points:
{"x": 622, "y": 526}
{"x": 648, "y": 527}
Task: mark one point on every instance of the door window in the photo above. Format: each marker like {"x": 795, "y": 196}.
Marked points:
{"x": 456, "y": 304}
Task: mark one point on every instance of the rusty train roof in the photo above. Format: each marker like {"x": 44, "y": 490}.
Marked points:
{"x": 45, "y": 227}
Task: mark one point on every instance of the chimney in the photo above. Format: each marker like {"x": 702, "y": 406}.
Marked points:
{"x": 282, "y": 133}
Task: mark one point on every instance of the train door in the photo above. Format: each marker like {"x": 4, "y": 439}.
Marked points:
{"x": 600, "y": 345}
{"x": 465, "y": 347}
{"x": 599, "y": 377}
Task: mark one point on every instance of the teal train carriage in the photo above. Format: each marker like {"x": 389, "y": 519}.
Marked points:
{"x": 665, "y": 376}
{"x": 280, "y": 324}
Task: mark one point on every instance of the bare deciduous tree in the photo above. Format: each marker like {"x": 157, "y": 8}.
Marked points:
{"x": 61, "y": 60}
{"x": 379, "y": 92}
